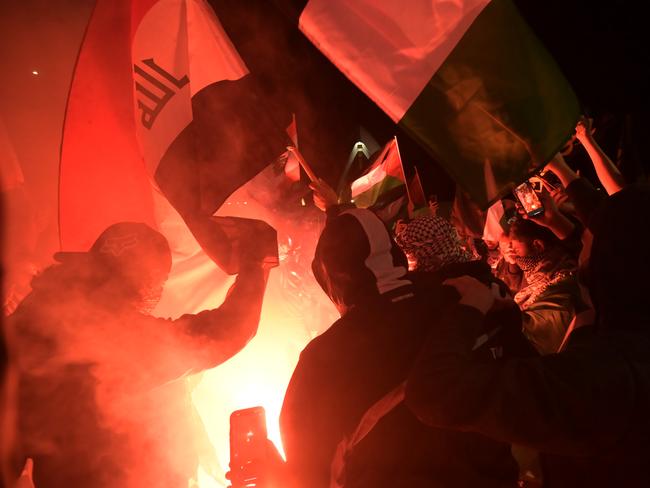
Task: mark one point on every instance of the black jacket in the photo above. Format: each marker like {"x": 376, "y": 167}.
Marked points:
{"x": 102, "y": 401}
{"x": 365, "y": 355}
{"x": 586, "y": 408}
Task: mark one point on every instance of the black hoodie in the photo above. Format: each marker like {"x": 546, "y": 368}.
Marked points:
{"x": 386, "y": 316}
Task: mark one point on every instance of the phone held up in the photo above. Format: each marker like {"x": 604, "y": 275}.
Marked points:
{"x": 247, "y": 446}
{"x": 528, "y": 198}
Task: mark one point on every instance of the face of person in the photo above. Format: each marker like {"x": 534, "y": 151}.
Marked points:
{"x": 506, "y": 250}
{"x": 152, "y": 283}
{"x": 151, "y": 292}
{"x": 522, "y": 247}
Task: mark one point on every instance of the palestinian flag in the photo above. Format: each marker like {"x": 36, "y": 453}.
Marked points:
{"x": 418, "y": 204}
{"x": 468, "y": 80}
{"x": 160, "y": 93}
{"x": 382, "y": 188}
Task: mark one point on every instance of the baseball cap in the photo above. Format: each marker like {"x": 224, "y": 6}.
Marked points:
{"x": 132, "y": 244}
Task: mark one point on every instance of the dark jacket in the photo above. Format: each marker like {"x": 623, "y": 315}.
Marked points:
{"x": 101, "y": 399}
{"x": 546, "y": 320}
{"x": 585, "y": 408}
{"x": 365, "y": 355}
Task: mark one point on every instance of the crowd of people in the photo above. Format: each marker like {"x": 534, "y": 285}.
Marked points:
{"x": 526, "y": 365}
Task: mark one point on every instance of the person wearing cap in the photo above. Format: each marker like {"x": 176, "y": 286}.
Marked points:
{"x": 101, "y": 397}
{"x": 584, "y": 408}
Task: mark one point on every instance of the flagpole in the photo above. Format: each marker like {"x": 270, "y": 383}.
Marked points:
{"x": 310, "y": 172}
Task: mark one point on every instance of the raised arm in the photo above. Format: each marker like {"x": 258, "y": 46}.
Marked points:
{"x": 608, "y": 174}
{"x": 551, "y": 218}
{"x": 224, "y": 331}
{"x": 584, "y": 197}
{"x": 195, "y": 342}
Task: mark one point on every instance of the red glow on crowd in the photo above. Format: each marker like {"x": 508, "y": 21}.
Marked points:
{"x": 295, "y": 311}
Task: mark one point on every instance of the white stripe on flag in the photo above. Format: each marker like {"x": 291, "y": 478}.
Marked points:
{"x": 389, "y": 51}
{"x": 184, "y": 39}
{"x": 364, "y": 183}
{"x": 493, "y": 230}
{"x": 388, "y": 163}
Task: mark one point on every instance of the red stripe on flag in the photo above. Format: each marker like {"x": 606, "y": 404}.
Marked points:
{"x": 102, "y": 177}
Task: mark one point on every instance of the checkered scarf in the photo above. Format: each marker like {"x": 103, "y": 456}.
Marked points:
{"x": 541, "y": 272}
{"x": 430, "y": 243}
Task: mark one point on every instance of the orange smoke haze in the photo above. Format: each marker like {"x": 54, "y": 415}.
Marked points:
{"x": 295, "y": 311}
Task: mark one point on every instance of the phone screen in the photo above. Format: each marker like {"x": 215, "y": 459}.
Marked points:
{"x": 529, "y": 199}
{"x": 247, "y": 436}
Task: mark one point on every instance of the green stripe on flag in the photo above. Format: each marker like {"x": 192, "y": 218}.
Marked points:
{"x": 369, "y": 197}
{"x": 497, "y": 109}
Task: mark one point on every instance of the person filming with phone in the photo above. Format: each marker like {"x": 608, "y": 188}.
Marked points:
{"x": 585, "y": 408}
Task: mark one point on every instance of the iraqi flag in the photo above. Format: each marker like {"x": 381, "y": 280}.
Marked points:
{"x": 382, "y": 188}
{"x": 160, "y": 93}
{"x": 467, "y": 79}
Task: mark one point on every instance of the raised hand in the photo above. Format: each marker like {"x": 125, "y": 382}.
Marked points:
{"x": 324, "y": 195}
{"x": 584, "y": 128}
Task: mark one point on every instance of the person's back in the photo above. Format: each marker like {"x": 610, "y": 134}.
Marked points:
{"x": 345, "y": 375}
{"x": 352, "y": 366}
{"x": 59, "y": 422}
{"x": 96, "y": 392}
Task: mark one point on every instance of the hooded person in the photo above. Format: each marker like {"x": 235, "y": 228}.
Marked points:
{"x": 584, "y": 408}
{"x": 343, "y": 421}
{"x": 101, "y": 395}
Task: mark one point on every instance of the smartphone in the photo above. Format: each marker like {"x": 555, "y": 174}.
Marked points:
{"x": 526, "y": 195}
{"x": 247, "y": 440}
{"x": 551, "y": 180}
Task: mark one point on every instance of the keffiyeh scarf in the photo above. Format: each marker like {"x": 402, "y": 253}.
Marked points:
{"x": 430, "y": 242}
{"x": 542, "y": 271}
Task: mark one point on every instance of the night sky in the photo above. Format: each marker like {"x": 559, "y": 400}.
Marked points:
{"x": 599, "y": 46}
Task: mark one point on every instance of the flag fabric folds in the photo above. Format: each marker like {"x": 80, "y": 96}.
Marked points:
{"x": 102, "y": 177}
{"x": 418, "y": 203}
{"x": 468, "y": 80}
{"x": 159, "y": 91}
